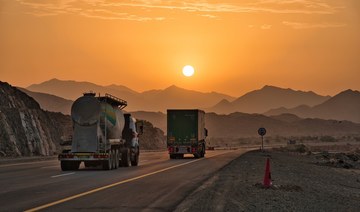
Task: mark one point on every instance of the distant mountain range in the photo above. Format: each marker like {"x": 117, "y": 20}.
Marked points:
{"x": 153, "y": 100}
{"x": 69, "y": 89}
{"x": 236, "y": 125}
{"x": 21, "y": 117}
{"x": 269, "y": 97}
{"x": 343, "y": 106}
{"x": 269, "y": 100}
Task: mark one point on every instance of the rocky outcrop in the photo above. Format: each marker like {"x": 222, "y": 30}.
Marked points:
{"x": 25, "y": 129}
{"x": 152, "y": 137}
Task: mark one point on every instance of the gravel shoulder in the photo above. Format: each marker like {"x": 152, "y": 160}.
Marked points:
{"x": 300, "y": 183}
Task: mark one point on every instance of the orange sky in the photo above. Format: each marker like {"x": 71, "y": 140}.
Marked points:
{"x": 235, "y": 46}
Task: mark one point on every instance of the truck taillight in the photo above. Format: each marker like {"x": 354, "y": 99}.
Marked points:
{"x": 193, "y": 150}
{"x": 171, "y": 149}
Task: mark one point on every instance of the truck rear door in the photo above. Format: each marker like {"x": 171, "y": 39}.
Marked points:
{"x": 182, "y": 126}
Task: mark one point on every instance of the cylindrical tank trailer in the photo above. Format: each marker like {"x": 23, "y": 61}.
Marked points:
{"x": 103, "y": 134}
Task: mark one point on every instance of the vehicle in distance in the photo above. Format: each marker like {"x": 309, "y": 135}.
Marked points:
{"x": 186, "y": 132}
{"x": 102, "y": 134}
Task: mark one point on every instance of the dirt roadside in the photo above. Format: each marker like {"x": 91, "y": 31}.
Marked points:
{"x": 300, "y": 183}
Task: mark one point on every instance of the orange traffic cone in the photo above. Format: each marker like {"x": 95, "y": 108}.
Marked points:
{"x": 267, "y": 177}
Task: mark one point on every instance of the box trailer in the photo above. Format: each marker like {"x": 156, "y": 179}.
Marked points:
{"x": 186, "y": 132}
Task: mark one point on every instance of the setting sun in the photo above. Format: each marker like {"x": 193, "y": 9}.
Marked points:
{"x": 188, "y": 71}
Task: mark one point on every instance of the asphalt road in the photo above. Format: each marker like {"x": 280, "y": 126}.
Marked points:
{"x": 157, "y": 184}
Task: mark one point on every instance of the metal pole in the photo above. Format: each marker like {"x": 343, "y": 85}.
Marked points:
{"x": 262, "y": 143}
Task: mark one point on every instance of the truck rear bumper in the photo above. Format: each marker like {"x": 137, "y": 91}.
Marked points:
{"x": 83, "y": 156}
{"x": 182, "y": 150}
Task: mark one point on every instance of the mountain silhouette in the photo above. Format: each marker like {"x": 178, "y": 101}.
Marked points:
{"x": 152, "y": 100}
{"x": 343, "y": 106}
{"x": 268, "y": 97}
{"x": 176, "y": 98}
{"x": 69, "y": 89}
{"x": 50, "y": 102}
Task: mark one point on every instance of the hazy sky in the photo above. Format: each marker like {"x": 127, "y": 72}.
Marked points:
{"x": 234, "y": 45}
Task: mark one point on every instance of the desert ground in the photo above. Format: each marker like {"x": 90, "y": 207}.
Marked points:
{"x": 302, "y": 180}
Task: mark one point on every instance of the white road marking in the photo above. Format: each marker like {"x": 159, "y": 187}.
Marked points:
{"x": 46, "y": 167}
{"x": 61, "y": 175}
{"x": 26, "y": 163}
{"x": 116, "y": 184}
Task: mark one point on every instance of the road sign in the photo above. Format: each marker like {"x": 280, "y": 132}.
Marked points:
{"x": 262, "y": 131}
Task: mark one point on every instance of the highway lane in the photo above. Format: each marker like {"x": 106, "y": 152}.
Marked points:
{"x": 156, "y": 184}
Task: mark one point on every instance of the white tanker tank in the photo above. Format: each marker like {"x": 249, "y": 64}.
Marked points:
{"x": 103, "y": 134}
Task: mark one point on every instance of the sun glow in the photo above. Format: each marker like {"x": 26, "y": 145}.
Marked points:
{"x": 188, "y": 71}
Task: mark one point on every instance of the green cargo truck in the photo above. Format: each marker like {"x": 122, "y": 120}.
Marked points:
{"x": 186, "y": 133}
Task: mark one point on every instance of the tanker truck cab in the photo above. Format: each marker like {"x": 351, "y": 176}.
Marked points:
{"x": 102, "y": 134}
{"x": 131, "y": 137}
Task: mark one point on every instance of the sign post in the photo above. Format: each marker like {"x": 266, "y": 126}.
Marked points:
{"x": 262, "y": 132}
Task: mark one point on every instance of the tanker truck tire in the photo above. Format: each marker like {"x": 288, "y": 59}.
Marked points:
{"x": 117, "y": 158}
{"x": 107, "y": 164}
{"x": 202, "y": 151}
{"x": 113, "y": 155}
{"x": 197, "y": 155}
{"x": 125, "y": 157}
{"x": 135, "y": 162}
{"x": 64, "y": 166}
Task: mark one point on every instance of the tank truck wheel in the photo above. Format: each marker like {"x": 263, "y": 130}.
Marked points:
{"x": 113, "y": 164}
{"x": 203, "y": 151}
{"x": 107, "y": 163}
{"x": 135, "y": 162}
{"x": 125, "y": 159}
{"x": 64, "y": 165}
{"x": 117, "y": 159}
{"x": 197, "y": 155}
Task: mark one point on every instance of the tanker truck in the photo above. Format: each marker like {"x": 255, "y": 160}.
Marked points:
{"x": 102, "y": 134}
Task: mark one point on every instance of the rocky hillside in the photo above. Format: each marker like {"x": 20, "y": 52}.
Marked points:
{"x": 25, "y": 129}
